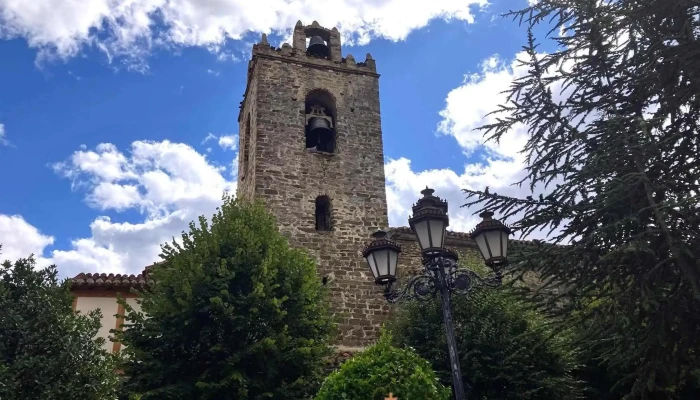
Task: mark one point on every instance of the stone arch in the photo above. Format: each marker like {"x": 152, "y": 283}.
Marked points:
{"x": 321, "y": 114}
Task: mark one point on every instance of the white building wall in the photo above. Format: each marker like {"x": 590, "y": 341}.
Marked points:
{"x": 132, "y": 302}
{"x": 108, "y": 306}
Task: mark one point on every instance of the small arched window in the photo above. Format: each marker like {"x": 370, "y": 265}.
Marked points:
{"x": 320, "y": 121}
{"x": 323, "y": 214}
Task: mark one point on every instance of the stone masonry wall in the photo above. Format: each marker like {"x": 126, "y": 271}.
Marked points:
{"x": 288, "y": 177}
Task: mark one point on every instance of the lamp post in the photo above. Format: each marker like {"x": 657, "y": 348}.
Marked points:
{"x": 440, "y": 272}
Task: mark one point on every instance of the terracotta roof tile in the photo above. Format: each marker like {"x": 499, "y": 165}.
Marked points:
{"x": 90, "y": 280}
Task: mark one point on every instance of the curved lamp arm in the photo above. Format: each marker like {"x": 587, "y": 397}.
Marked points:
{"x": 421, "y": 287}
{"x": 464, "y": 281}
{"x": 426, "y": 285}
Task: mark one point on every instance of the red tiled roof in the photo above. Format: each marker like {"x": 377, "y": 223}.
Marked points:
{"x": 107, "y": 281}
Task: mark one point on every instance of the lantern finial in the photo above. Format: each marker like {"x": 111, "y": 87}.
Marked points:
{"x": 486, "y": 215}
{"x": 427, "y": 192}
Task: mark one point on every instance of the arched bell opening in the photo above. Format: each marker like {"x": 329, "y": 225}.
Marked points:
{"x": 320, "y": 121}
{"x": 323, "y": 214}
{"x": 317, "y": 46}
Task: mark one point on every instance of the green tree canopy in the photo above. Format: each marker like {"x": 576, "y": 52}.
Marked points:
{"x": 47, "y": 351}
{"x": 382, "y": 369}
{"x": 232, "y": 313}
{"x": 612, "y": 116}
{"x": 505, "y": 350}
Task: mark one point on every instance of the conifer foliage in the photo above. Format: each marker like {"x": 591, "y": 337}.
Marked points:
{"x": 612, "y": 120}
{"x": 232, "y": 312}
{"x": 506, "y": 350}
{"x": 48, "y": 351}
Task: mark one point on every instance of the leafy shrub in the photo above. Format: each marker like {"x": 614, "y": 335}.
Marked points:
{"x": 48, "y": 351}
{"x": 380, "y": 370}
{"x": 234, "y": 313}
{"x": 506, "y": 351}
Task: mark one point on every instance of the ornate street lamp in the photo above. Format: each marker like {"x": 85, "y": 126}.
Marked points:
{"x": 440, "y": 272}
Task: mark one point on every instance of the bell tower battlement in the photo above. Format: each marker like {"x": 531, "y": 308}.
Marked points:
{"x": 310, "y": 147}
{"x": 323, "y": 50}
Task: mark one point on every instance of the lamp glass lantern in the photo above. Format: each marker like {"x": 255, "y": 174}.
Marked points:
{"x": 382, "y": 256}
{"x": 491, "y": 236}
{"x": 429, "y": 222}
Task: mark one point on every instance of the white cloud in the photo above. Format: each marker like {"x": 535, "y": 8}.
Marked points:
{"x": 404, "y": 186}
{"x": 169, "y": 184}
{"x": 226, "y": 142}
{"x": 132, "y": 28}
{"x": 229, "y": 142}
{"x": 19, "y": 238}
{"x": 3, "y": 139}
{"x": 498, "y": 165}
{"x": 210, "y": 136}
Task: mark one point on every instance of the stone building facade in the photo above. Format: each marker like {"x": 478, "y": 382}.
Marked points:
{"x": 327, "y": 200}
{"x": 311, "y": 149}
{"x": 307, "y": 186}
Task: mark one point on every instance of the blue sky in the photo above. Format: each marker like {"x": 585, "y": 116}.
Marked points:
{"x": 118, "y": 119}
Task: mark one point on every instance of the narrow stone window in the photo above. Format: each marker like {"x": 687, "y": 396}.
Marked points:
{"x": 320, "y": 121}
{"x": 323, "y": 214}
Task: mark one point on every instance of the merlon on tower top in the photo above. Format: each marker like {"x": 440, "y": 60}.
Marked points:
{"x": 329, "y": 55}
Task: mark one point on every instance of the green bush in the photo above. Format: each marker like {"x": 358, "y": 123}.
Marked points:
{"x": 505, "y": 350}
{"x": 234, "y": 313}
{"x": 48, "y": 351}
{"x": 380, "y": 370}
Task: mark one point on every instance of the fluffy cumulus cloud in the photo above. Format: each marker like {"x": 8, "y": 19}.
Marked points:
{"x": 131, "y": 28}
{"x": 169, "y": 184}
{"x": 19, "y": 239}
{"x": 496, "y": 165}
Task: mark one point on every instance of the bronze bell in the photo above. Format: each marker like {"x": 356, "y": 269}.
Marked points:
{"x": 319, "y": 127}
{"x": 317, "y": 47}
{"x": 311, "y": 139}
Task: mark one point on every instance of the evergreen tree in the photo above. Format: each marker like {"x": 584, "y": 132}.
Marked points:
{"x": 48, "y": 351}
{"x": 616, "y": 156}
{"x": 506, "y": 350}
{"x": 232, "y": 313}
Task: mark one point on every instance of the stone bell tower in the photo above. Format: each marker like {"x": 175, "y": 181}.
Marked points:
{"x": 311, "y": 149}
